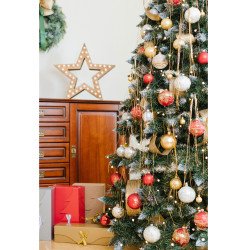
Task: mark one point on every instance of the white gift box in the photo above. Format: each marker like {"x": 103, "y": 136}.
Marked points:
{"x": 46, "y": 213}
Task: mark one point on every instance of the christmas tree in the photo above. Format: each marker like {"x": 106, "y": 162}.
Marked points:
{"x": 159, "y": 197}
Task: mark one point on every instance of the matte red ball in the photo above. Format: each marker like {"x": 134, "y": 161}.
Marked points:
{"x": 105, "y": 220}
{"x": 175, "y": 2}
{"x": 148, "y": 78}
{"x": 141, "y": 50}
{"x": 148, "y": 179}
{"x": 134, "y": 201}
{"x": 196, "y": 128}
{"x": 181, "y": 236}
{"x": 201, "y": 220}
{"x": 115, "y": 177}
{"x": 136, "y": 112}
{"x": 202, "y": 57}
{"x": 166, "y": 98}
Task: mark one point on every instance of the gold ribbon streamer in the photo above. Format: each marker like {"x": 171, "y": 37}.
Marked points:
{"x": 153, "y": 148}
{"x": 83, "y": 240}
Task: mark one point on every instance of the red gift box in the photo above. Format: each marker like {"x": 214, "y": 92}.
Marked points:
{"x": 69, "y": 200}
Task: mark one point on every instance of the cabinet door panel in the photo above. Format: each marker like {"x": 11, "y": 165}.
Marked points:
{"x": 93, "y": 133}
{"x": 53, "y": 152}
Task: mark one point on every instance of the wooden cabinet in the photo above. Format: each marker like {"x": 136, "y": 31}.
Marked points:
{"x": 75, "y": 138}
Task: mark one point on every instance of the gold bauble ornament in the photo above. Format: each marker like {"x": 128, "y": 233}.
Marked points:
{"x": 198, "y": 199}
{"x": 203, "y": 13}
{"x": 130, "y": 78}
{"x": 168, "y": 141}
{"x": 182, "y": 121}
{"x": 176, "y": 183}
{"x": 169, "y": 76}
{"x": 166, "y": 23}
{"x": 148, "y": 44}
{"x": 178, "y": 43}
{"x": 152, "y": 14}
{"x": 150, "y": 51}
{"x": 187, "y": 38}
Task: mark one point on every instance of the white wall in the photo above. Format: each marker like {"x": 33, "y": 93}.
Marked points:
{"x": 108, "y": 28}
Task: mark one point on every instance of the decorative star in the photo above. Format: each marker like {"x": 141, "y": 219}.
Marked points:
{"x": 103, "y": 69}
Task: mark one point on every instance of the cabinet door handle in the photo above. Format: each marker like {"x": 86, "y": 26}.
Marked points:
{"x": 41, "y": 174}
{"x": 73, "y": 151}
{"x": 41, "y": 154}
{"x": 41, "y": 133}
{"x": 41, "y": 112}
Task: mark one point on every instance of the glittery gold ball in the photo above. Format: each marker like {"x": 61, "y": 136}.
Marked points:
{"x": 203, "y": 13}
{"x": 178, "y": 43}
{"x": 130, "y": 78}
{"x": 176, "y": 183}
{"x": 168, "y": 141}
{"x": 182, "y": 121}
{"x": 150, "y": 52}
{"x": 198, "y": 199}
{"x": 169, "y": 76}
{"x": 166, "y": 23}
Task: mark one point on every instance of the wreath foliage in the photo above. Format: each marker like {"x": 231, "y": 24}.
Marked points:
{"x": 54, "y": 27}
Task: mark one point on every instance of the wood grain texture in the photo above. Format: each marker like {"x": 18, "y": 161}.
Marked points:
{"x": 53, "y": 132}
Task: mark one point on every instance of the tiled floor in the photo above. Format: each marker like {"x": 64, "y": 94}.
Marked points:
{"x": 51, "y": 245}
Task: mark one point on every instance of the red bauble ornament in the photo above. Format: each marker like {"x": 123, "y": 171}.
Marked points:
{"x": 202, "y": 57}
{"x": 148, "y": 179}
{"x": 134, "y": 201}
{"x": 105, "y": 220}
{"x": 115, "y": 177}
{"x": 174, "y": 2}
{"x": 140, "y": 50}
{"x": 136, "y": 112}
{"x": 181, "y": 236}
{"x": 148, "y": 78}
{"x": 196, "y": 128}
{"x": 165, "y": 98}
{"x": 201, "y": 219}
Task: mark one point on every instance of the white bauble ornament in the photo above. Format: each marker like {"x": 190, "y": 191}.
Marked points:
{"x": 151, "y": 234}
{"x": 192, "y": 15}
{"x": 147, "y": 116}
{"x": 118, "y": 211}
{"x": 126, "y": 116}
{"x": 147, "y": 27}
{"x": 120, "y": 151}
{"x": 160, "y": 61}
{"x": 129, "y": 152}
{"x": 182, "y": 83}
{"x": 186, "y": 194}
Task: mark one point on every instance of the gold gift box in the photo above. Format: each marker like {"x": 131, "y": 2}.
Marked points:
{"x": 77, "y": 233}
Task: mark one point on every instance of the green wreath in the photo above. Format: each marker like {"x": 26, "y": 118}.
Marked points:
{"x": 52, "y": 28}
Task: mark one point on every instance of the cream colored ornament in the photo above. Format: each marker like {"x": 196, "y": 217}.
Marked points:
{"x": 120, "y": 151}
{"x": 192, "y": 15}
{"x": 160, "y": 61}
{"x": 186, "y": 194}
{"x": 129, "y": 152}
{"x": 148, "y": 44}
{"x": 182, "y": 121}
{"x": 182, "y": 83}
{"x": 150, "y": 52}
{"x": 178, "y": 43}
{"x": 187, "y": 38}
{"x": 151, "y": 234}
{"x": 198, "y": 199}
{"x": 118, "y": 211}
{"x": 166, "y": 23}
{"x": 169, "y": 76}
